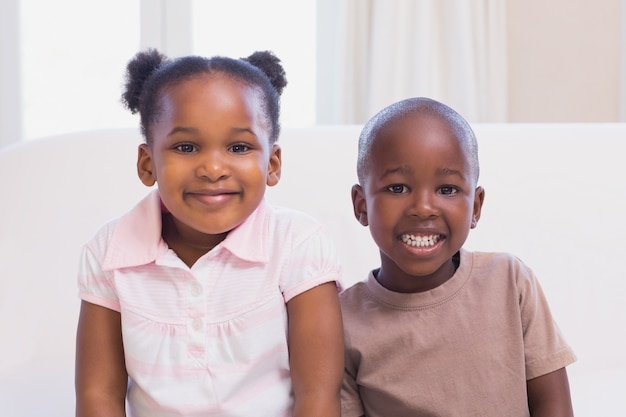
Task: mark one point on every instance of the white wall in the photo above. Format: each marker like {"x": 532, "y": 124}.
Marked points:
{"x": 11, "y": 96}
{"x": 564, "y": 60}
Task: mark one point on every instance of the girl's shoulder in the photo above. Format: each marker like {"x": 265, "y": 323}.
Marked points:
{"x": 294, "y": 227}
{"x": 291, "y": 219}
{"x": 137, "y": 229}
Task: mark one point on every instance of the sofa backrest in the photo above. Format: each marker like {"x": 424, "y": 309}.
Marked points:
{"x": 554, "y": 197}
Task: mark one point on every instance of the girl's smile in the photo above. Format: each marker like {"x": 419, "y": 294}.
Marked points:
{"x": 214, "y": 199}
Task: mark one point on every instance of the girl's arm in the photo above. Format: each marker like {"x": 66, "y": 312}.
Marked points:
{"x": 548, "y": 395}
{"x": 316, "y": 353}
{"x": 101, "y": 377}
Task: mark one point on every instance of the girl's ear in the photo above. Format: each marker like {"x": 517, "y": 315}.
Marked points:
{"x": 145, "y": 166}
{"x": 359, "y": 205}
{"x": 274, "y": 166}
{"x": 479, "y": 199}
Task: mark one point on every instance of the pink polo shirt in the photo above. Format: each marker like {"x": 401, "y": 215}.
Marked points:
{"x": 210, "y": 340}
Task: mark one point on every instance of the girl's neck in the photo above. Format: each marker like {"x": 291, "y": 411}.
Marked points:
{"x": 188, "y": 245}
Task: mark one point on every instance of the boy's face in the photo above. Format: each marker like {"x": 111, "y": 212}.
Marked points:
{"x": 419, "y": 199}
{"x": 210, "y": 155}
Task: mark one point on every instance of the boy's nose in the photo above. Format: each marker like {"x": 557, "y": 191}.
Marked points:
{"x": 423, "y": 205}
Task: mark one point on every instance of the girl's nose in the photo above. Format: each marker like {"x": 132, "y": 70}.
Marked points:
{"x": 212, "y": 166}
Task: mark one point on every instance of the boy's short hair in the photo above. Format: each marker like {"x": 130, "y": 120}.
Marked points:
{"x": 416, "y": 106}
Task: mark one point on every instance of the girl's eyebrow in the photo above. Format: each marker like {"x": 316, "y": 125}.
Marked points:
{"x": 182, "y": 129}
{"x": 243, "y": 129}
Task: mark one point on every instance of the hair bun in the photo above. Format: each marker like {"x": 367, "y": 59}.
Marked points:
{"x": 269, "y": 63}
{"x": 138, "y": 70}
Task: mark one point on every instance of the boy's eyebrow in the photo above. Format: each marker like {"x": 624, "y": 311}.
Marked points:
{"x": 405, "y": 169}
{"x": 402, "y": 169}
{"x": 450, "y": 171}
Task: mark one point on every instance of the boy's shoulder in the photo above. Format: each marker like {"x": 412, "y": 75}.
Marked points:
{"x": 362, "y": 301}
{"x": 355, "y": 292}
{"x": 359, "y": 307}
{"x": 495, "y": 263}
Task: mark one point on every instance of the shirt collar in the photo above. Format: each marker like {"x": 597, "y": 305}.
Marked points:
{"x": 249, "y": 241}
{"x": 136, "y": 237}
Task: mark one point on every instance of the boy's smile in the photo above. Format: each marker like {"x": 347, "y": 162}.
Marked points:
{"x": 211, "y": 158}
{"x": 422, "y": 243}
{"x": 419, "y": 200}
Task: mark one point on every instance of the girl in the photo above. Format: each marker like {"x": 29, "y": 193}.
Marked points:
{"x": 204, "y": 300}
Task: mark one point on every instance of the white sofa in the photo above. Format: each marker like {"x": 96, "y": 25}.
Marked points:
{"x": 555, "y": 196}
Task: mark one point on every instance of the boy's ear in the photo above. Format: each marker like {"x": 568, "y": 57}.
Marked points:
{"x": 274, "y": 166}
{"x": 479, "y": 199}
{"x": 359, "y": 205}
{"x": 145, "y": 165}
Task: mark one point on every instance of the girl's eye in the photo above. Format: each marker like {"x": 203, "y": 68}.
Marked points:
{"x": 398, "y": 188}
{"x": 239, "y": 148}
{"x": 448, "y": 190}
{"x": 185, "y": 148}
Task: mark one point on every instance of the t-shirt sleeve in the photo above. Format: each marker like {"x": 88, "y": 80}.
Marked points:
{"x": 312, "y": 262}
{"x": 545, "y": 347}
{"x": 94, "y": 284}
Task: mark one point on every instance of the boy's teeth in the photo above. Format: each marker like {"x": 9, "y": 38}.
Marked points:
{"x": 420, "y": 241}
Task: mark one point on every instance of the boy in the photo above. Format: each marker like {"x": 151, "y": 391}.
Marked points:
{"x": 438, "y": 330}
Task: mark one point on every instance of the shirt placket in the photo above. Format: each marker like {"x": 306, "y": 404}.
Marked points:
{"x": 196, "y": 323}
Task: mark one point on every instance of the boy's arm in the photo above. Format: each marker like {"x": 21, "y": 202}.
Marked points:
{"x": 101, "y": 377}
{"x": 316, "y": 351}
{"x": 549, "y": 395}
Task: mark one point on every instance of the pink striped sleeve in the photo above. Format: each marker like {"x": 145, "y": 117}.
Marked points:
{"x": 95, "y": 285}
{"x": 312, "y": 262}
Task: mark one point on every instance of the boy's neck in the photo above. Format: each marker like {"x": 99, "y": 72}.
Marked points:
{"x": 394, "y": 279}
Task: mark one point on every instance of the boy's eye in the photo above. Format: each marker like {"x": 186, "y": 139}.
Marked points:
{"x": 448, "y": 190}
{"x": 398, "y": 188}
{"x": 185, "y": 147}
{"x": 240, "y": 147}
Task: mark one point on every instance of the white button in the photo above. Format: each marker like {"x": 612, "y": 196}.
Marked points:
{"x": 196, "y": 289}
{"x": 197, "y": 324}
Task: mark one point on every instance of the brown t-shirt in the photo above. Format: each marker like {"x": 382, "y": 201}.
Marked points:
{"x": 465, "y": 348}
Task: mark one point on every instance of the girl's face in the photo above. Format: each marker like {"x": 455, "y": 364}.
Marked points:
{"x": 210, "y": 156}
{"x": 419, "y": 201}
